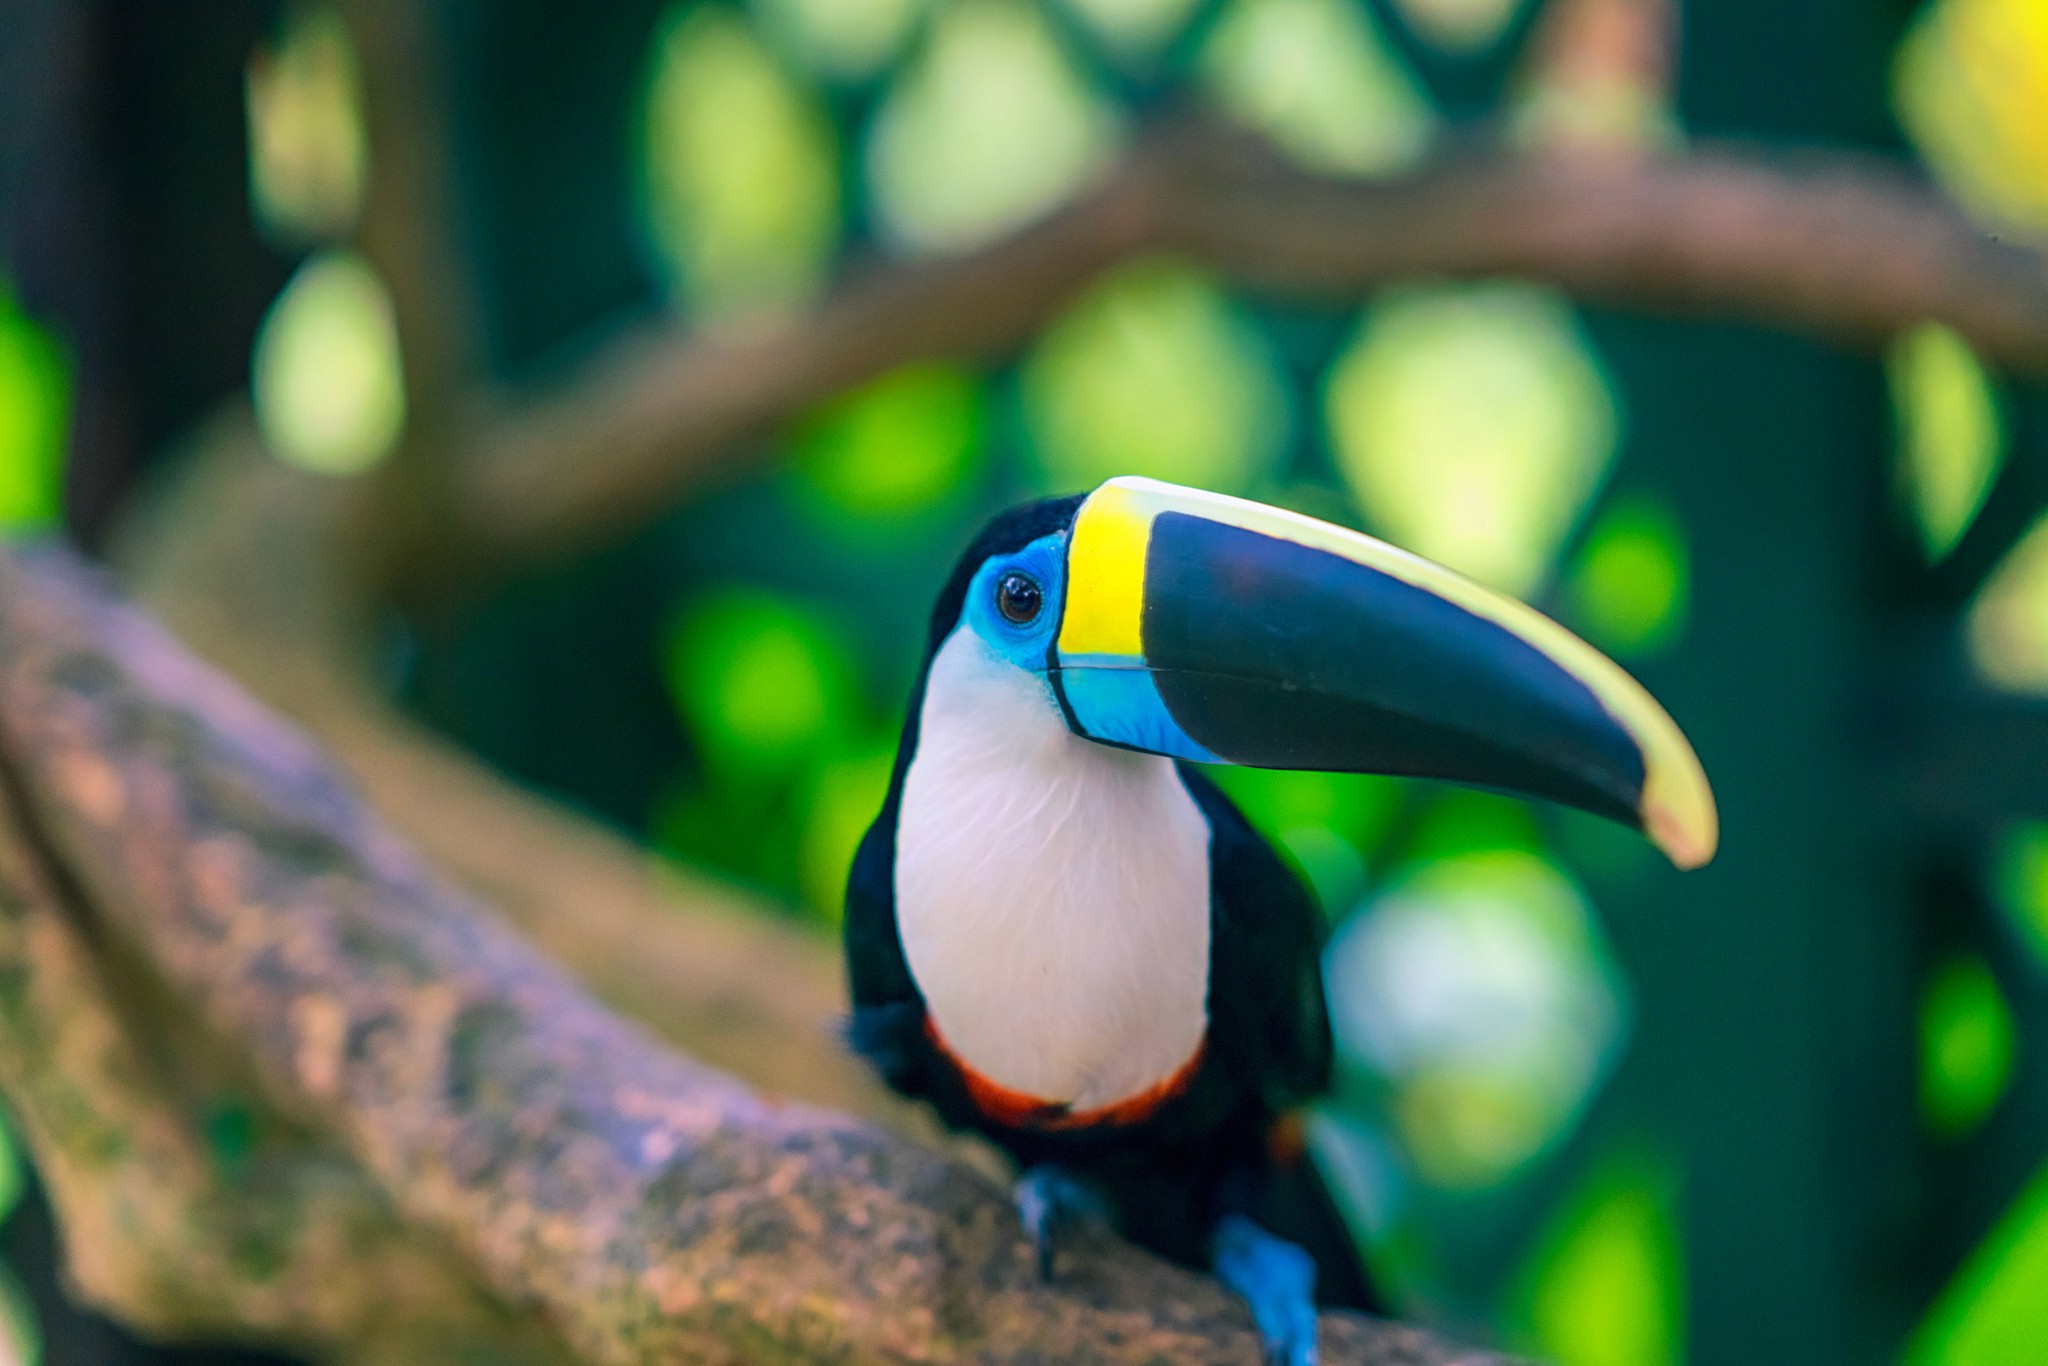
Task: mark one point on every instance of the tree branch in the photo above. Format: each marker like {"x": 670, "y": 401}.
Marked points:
{"x": 1838, "y": 245}
{"x": 646, "y": 1206}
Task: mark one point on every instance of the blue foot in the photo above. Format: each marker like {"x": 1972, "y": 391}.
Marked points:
{"x": 1277, "y": 1281}
{"x": 1050, "y": 1198}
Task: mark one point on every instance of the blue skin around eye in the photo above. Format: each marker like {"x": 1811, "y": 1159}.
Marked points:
{"x": 1114, "y": 701}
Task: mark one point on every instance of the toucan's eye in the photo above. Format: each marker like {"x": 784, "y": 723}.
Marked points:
{"x": 1019, "y": 598}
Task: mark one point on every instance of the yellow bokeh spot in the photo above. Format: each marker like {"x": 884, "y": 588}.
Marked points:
{"x": 842, "y": 39}
{"x": 1950, "y": 439}
{"x": 1971, "y": 88}
{"x": 1967, "y": 1042}
{"x": 307, "y": 151}
{"x": 1474, "y": 424}
{"x": 1629, "y": 590}
{"x": 2008, "y": 623}
{"x": 1316, "y": 77}
{"x": 989, "y": 127}
{"x": 35, "y": 400}
{"x": 328, "y": 386}
{"x": 1605, "y": 1286}
{"x": 1993, "y": 1313}
{"x": 1153, "y": 372}
{"x": 741, "y": 186}
{"x": 896, "y": 445}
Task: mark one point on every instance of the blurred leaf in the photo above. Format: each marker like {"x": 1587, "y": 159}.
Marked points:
{"x": 843, "y": 39}
{"x": 1606, "y": 1284}
{"x": 1315, "y": 76}
{"x": 745, "y": 831}
{"x": 761, "y": 683}
{"x": 1474, "y": 424}
{"x": 328, "y": 387}
{"x": 1134, "y": 29}
{"x": 1460, "y": 26}
{"x": 896, "y": 445}
{"x": 988, "y": 128}
{"x": 1993, "y": 1313}
{"x": 1479, "y": 987}
{"x": 1629, "y": 589}
{"x": 1462, "y": 820}
{"x": 2008, "y": 623}
{"x": 1950, "y": 438}
{"x": 307, "y": 152}
{"x": 1967, "y": 1042}
{"x": 1323, "y": 822}
{"x": 741, "y": 185}
{"x": 35, "y": 410}
{"x": 12, "y": 1176}
{"x": 2020, "y": 885}
{"x": 1971, "y": 88}
{"x": 844, "y": 798}
{"x": 1153, "y": 372}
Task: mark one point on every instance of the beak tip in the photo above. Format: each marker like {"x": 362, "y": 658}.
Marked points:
{"x": 1684, "y": 823}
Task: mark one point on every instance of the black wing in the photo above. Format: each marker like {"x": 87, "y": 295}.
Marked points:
{"x": 887, "y": 1025}
{"x": 1267, "y": 1018}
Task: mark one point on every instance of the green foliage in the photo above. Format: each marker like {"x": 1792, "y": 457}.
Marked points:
{"x": 2008, "y": 623}
{"x": 1474, "y": 423}
{"x": 1327, "y": 822}
{"x": 1628, "y": 591}
{"x": 761, "y": 683}
{"x": 988, "y": 127}
{"x": 35, "y": 409}
{"x": 2020, "y": 885}
{"x": 308, "y": 154}
{"x": 740, "y": 174}
{"x": 895, "y": 446}
{"x": 844, "y": 40}
{"x": 1967, "y": 1044}
{"x": 1153, "y": 372}
{"x": 1993, "y": 1313}
{"x": 1135, "y": 30}
{"x": 1605, "y": 1285}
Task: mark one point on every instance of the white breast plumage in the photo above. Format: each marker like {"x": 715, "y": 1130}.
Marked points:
{"x": 1052, "y": 894}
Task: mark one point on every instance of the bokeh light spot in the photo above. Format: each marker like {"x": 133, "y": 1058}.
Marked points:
{"x": 1993, "y": 1313}
{"x": 1316, "y": 77}
{"x": 841, "y": 39}
{"x": 760, "y": 682}
{"x": 1606, "y": 1286}
{"x": 308, "y": 153}
{"x": 1629, "y": 590}
{"x": 1153, "y": 372}
{"x": 1967, "y": 1042}
{"x": 35, "y": 407}
{"x": 2008, "y": 623}
{"x": 1479, "y": 988}
{"x": 2020, "y": 885}
{"x": 1133, "y": 29}
{"x": 1971, "y": 88}
{"x": 1460, "y": 25}
{"x": 894, "y": 446}
{"x": 1474, "y": 424}
{"x": 741, "y": 187}
{"x": 989, "y": 127}
{"x": 1950, "y": 440}
{"x": 328, "y": 387}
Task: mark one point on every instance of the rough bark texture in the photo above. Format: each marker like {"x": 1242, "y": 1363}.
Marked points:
{"x": 449, "y": 1110}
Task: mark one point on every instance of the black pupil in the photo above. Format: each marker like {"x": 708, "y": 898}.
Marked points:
{"x": 1019, "y": 598}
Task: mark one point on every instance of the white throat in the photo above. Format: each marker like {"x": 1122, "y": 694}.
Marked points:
{"x": 1052, "y": 894}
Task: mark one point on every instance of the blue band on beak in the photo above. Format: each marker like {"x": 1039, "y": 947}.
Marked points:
{"x": 1112, "y": 698}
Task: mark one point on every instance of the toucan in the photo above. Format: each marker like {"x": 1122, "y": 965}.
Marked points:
{"x": 1063, "y": 936}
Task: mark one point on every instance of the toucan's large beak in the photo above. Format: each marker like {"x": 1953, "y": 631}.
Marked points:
{"x": 1214, "y": 629}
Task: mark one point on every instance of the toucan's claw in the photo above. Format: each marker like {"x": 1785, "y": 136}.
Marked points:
{"x": 1276, "y": 1280}
{"x": 1050, "y": 1199}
